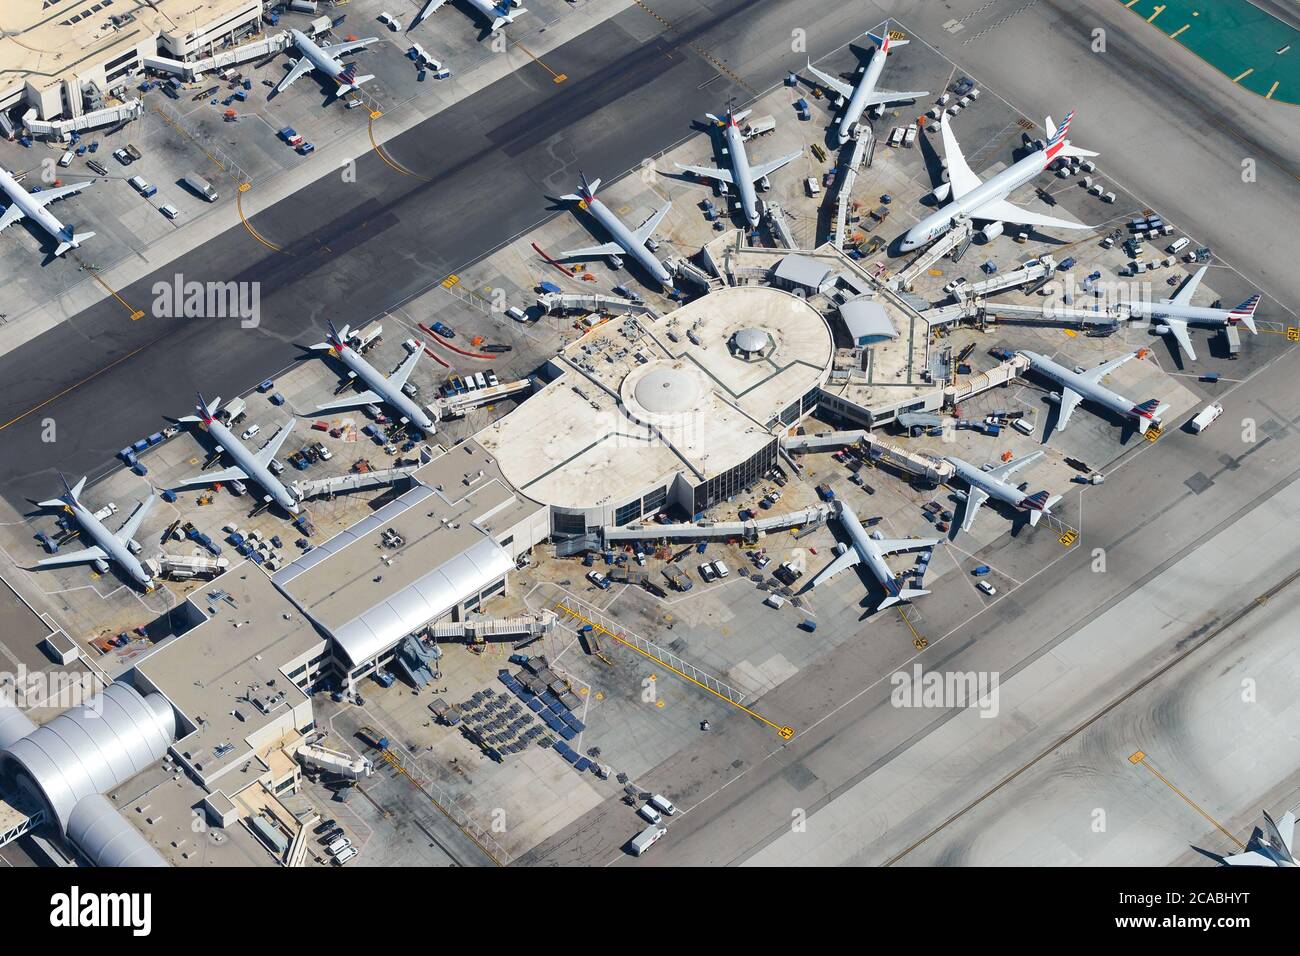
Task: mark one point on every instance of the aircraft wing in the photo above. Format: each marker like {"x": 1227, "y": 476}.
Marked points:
{"x": 1184, "y": 296}
{"x": 1178, "y": 329}
{"x": 300, "y": 66}
{"x": 766, "y": 169}
{"x": 11, "y": 216}
{"x": 47, "y": 196}
{"x": 132, "y": 524}
{"x": 846, "y": 560}
{"x": 403, "y": 371}
{"x": 272, "y": 448}
{"x": 880, "y": 97}
{"x": 351, "y": 401}
{"x": 708, "y": 172}
{"x": 1069, "y": 401}
{"x": 337, "y": 50}
{"x": 431, "y": 7}
{"x": 213, "y": 478}
{"x": 974, "y": 499}
{"x": 647, "y": 228}
{"x": 1004, "y": 211}
{"x": 895, "y": 545}
{"x": 95, "y": 553}
{"x": 830, "y": 82}
{"x": 960, "y": 175}
{"x": 592, "y": 252}
{"x": 1003, "y": 472}
{"x": 1096, "y": 374}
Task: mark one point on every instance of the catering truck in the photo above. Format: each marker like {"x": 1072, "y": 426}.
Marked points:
{"x": 201, "y": 186}
{"x": 1205, "y": 418}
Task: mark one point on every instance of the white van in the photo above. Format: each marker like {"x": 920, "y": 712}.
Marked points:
{"x": 813, "y": 186}
{"x": 66, "y": 159}
{"x": 516, "y": 313}
{"x": 646, "y": 839}
{"x": 1022, "y": 426}
{"x": 774, "y": 601}
{"x": 479, "y": 380}
{"x": 720, "y": 569}
{"x": 347, "y": 854}
{"x": 338, "y": 846}
{"x": 663, "y": 804}
{"x": 1178, "y": 245}
{"x": 650, "y": 814}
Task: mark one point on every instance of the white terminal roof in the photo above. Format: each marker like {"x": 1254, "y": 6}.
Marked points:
{"x": 866, "y": 318}
{"x": 369, "y": 595}
{"x": 632, "y": 408}
{"x": 42, "y": 41}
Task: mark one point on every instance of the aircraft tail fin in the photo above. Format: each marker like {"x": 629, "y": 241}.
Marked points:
{"x": 586, "y": 191}
{"x": 70, "y": 493}
{"x": 906, "y": 594}
{"x": 883, "y": 40}
{"x": 71, "y": 240}
{"x": 1057, "y": 143}
{"x": 1040, "y": 504}
{"x": 356, "y": 83}
{"x": 1245, "y": 314}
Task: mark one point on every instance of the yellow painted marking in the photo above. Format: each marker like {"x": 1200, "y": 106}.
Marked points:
{"x": 919, "y": 642}
{"x": 239, "y": 206}
{"x": 450, "y": 281}
{"x": 659, "y": 703}
{"x": 1130, "y": 3}
{"x": 1139, "y": 759}
{"x": 1272, "y": 89}
{"x": 1241, "y": 76}
{"x": 379, "y": 151}
{"x": 1071, "y": 333}
{"x": 135, "y": 314}
{"x": 1155, "y": 13}
{"x": 1174, "y": 35}
{"x": 58, "y": 395}
{"x": 786, "y": 733}
{"x": 555, "y": 77}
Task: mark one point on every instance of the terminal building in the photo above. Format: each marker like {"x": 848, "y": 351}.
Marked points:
{"x": 638, "y": 417}
{"x": 61, "y": 58}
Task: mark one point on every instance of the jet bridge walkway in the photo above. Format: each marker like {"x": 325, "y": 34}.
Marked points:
{"x": 714, "y": 531}
{"x": 949, "y": 241}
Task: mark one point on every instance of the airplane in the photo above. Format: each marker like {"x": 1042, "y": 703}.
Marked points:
{"x": 1076, "y": 385}
{"x": 497, "y": 14}
{"x": 32, "y": 205}
{"x": 741, "y": 175}
{"x": 1273, "y": 848}
{"x": 973, "y": 198}
{"x": 120, "y": 547}
{"x": 625, "y": 240}
{"x": 381, "y": 389}
{"x": 253, "y": 466}
{"x": 326, "y": 59}
{"x": 865, "y": 94}
{"x": 871, "y": 549}
{"x": 992, "y": 483}
{"x": 1174, "y": 314}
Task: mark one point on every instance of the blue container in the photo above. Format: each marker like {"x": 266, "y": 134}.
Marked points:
{"x": 141, "y": 445}
{"x": 155, "y": 439}
{"x": 169, "y": 496}
{"x": 266, "y": 386}
{"x": 140, "y": 469}
{"x": 126, "y": 454}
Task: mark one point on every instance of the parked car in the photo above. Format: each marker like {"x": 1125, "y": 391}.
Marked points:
{"x": 987, "y": 588}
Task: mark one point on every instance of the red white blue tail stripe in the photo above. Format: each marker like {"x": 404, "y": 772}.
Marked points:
{"x": 1246, "y": 308}
{"x": 1057, "y": 141}
{"x": 1036, "y": 501}
{"x": 1147, "y": 409}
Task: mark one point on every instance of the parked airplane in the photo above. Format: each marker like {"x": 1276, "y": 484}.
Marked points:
{"x": 253, "y": 466}
{"x": 984, "y": 484}
{"x": 32, "y": 205}
{"x": 497, "y": 14}
{"x": 871, "y": 549}
{"x": 1275, "y": 847}
{"x": 1076, "y": 385}
{"x": 741, "y": 175}
{"x": 858, "y": 98}
{"x": 625, "y": 240}
{"x": 326, "y": 59}
{"x": 1173, "y": 315}
{"x": 381, "y": 389}
{"x": 987, "y": 201}
{"x": 120, "y": 547}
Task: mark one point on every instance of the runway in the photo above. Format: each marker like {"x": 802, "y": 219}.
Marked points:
{"x": 355, "y": 247}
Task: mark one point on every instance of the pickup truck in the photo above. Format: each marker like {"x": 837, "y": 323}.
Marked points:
{"x": 290, "y": 136}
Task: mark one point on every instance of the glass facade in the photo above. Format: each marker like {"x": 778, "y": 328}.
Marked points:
{"x": 735, "y": 479}
{"x": 566, "y": 524}
{"x": 628, "y": 513}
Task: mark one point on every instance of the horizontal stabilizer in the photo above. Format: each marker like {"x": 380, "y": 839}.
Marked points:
{"x": 906, "y": 594}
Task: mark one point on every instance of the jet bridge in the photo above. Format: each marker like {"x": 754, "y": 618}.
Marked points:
{"x": 1035, "y": 270}
{"x": 950, "y": 240}
{"x": 552, "y": 302}
{"x": 464, "y": 401}
{"x": 713, "y": 531}
{"x": 846, "y": 187}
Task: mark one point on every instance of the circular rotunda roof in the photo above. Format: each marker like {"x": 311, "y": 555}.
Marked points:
{"x": 752, "y": 340}
{"x": 668, "y": 390}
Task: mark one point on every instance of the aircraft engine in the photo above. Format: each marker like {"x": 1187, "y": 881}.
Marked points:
{"x": 992, "y": 231}
{"x": 100, "y": 565}
{"x": 941, "y": 191}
